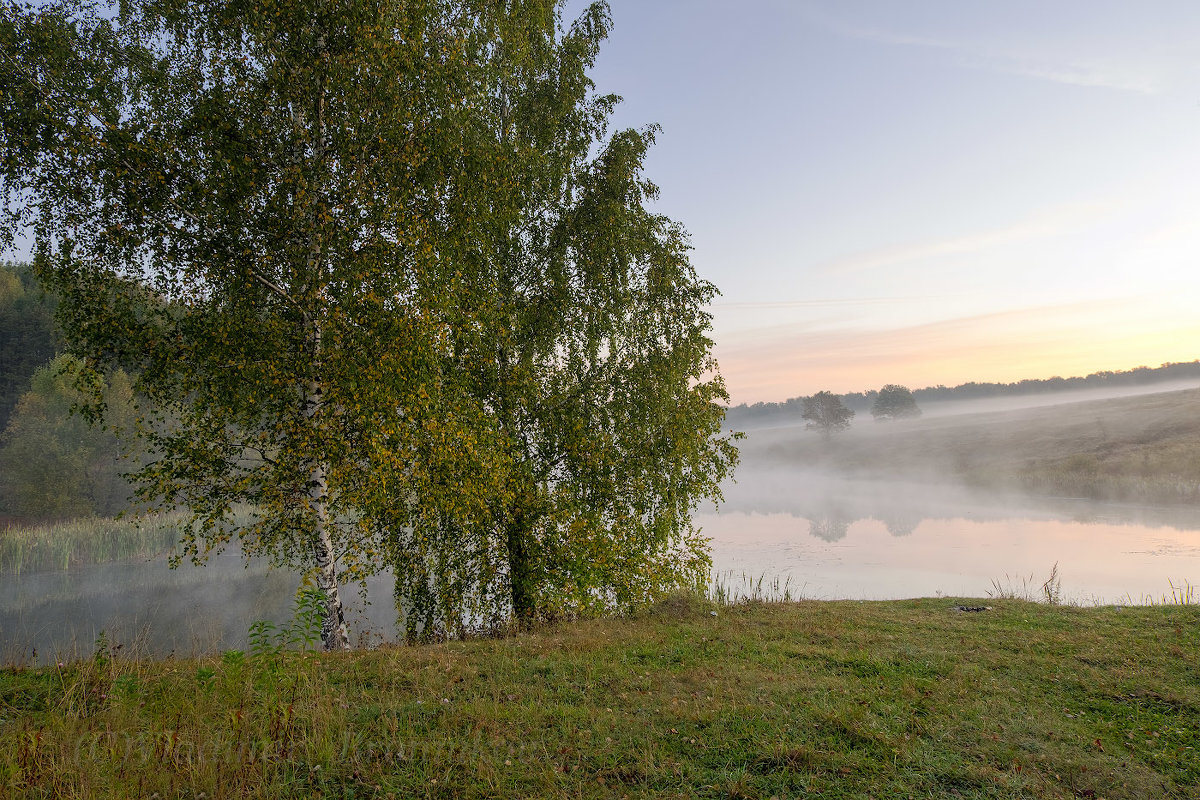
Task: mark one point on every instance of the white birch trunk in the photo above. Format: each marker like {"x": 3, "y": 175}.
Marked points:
{"x": 334, "y": 634}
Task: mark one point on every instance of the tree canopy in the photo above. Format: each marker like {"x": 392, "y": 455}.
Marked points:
{"x": 826, "y": 414}
{"x": 391, "y": 283}
{"x": 28, "y": 336}
{"x": 54, "y": 464}
{"x": 894, "y": 402}
{"x": 591, "y": 351}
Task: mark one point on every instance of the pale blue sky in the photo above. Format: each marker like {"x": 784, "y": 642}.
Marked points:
{"x": 923, "y": 191}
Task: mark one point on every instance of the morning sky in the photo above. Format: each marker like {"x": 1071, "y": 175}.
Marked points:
{"x": 928, "y": 191}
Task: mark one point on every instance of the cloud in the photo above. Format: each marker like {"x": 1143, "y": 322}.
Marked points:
{"x": 1107, "y": 71}
{"x": 971, "y": 243}
{"x": 1058, "y": 221}
{"x": 1097, "y": 73}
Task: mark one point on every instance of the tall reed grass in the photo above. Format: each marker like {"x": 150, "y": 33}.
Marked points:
{"x": 731, "y": 588}
{"x": 86, "y": 541}
{"x": 1182, "y": 595}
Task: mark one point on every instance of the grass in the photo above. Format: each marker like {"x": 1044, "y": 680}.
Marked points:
{"x": 1183, "y": 595}
{"x": 1049, "y": 591}
{"x": 831, "y": 699}
{"x": 85, "y": 541}
{"x": 731, "y": 587}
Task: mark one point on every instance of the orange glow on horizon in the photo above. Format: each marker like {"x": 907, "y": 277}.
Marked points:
{"x": 776, "y": 364}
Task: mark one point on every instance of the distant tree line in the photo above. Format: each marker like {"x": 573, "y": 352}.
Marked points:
{"x": 54, "y": 464}
{"x": 792, "y": 410}
{"x": 28, "y": 336}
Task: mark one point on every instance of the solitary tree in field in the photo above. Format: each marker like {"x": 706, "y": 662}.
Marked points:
{"x": 826, "y": 413}
{"x": 894, "y": 402}
{"x": 393, "y": 305}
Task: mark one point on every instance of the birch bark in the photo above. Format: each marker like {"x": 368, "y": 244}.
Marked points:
{"x": 334, "y": 634}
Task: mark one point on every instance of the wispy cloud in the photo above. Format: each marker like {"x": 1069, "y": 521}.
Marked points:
{"x": 1099, "y": 73}
{"x": 1103, "y": 70}
{"x": 1053, "y": 222}
{"x": 972, "y": 243}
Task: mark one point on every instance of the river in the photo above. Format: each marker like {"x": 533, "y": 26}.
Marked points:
{"x": 821, "y": 538}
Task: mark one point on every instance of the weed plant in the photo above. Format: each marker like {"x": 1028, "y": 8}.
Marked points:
{"x": 1050, "y": 590}
{"x": 1181, "y": 595}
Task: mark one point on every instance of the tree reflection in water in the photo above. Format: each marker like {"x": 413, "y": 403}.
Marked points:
{"x": 830, "y": 528}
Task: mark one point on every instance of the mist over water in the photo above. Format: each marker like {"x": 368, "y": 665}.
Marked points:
{"x": 831, "y": 538}
{"x": 882, "y": 511}
{"x": 961, "y": 502}
{"x": 145, "y": 605}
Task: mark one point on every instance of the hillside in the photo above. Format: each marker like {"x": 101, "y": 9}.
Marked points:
{"x": 1143, "y": 449}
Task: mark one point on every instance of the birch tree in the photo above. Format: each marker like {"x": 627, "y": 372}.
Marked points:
{"x": 249, "y": 204}
{"x": 590, "y": 357}
{"x": 393, "y": 283}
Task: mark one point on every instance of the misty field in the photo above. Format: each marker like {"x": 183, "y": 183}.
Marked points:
{"x": 1143, "y": 449}
{"x": 846, "y": 699}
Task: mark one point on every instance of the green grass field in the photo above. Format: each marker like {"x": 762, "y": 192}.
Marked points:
{"x": 812, "y": 699}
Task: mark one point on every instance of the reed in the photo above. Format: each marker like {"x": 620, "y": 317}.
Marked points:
{"x": 85, "y": 541}
{"x": 1181, "y": 595}
{"x": 732, "y": 588}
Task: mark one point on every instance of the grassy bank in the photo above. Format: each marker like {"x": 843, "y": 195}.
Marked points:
{"x": 846, "y": 699}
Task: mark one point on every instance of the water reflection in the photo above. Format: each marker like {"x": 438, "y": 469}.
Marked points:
{"x": 826, "y": 538}
{"x": 858, "y": 538}
{"x": 830, "y": 527}
{"x": 901, "y": 524}
{"x": 159, "y": 611}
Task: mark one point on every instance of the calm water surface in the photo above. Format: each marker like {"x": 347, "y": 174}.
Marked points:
{"x": 144, "y": 605}
{"x": 832, "y": 539}
{"x": 824, "y": 538}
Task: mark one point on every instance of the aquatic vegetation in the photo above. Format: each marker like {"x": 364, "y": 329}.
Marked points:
{"x": 732, "y": 588}
{"x": 86, "y": 541}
